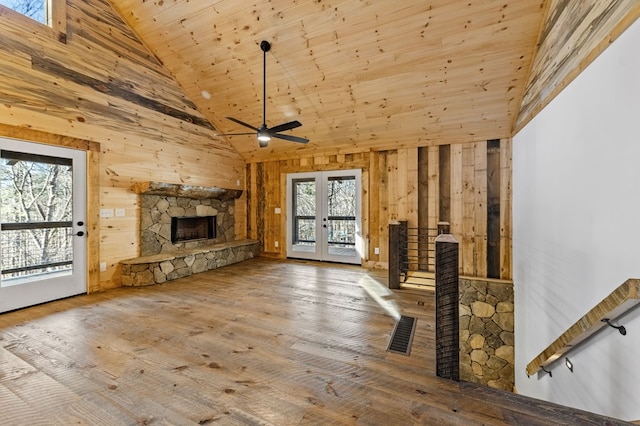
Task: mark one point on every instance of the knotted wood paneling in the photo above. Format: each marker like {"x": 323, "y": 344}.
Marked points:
{"x": 358, "y": 75}
{"x": 574, "y": 33}
{"x": 103, "y": 85}
{"x": 468, "y": 185}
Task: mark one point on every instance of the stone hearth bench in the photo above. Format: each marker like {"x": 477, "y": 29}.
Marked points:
{"x": 158, "y": 268}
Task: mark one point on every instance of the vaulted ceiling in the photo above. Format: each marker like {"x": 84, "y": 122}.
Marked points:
{"x": 358, "y": 74}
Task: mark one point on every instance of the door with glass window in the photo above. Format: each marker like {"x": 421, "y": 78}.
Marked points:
{"x": 324, "y": 216}
{"x": 42, "y": 223}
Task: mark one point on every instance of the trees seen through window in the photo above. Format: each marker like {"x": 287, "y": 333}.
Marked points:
{"x": 34, "y": 9}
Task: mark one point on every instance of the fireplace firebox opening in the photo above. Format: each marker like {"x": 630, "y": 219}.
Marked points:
{"x": 192, "y": 228}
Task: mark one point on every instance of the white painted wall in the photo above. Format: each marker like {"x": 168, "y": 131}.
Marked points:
{"x": 576, "y": 219}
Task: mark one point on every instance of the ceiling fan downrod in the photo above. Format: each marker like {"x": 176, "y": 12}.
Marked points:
{"x": 263, "y": 133}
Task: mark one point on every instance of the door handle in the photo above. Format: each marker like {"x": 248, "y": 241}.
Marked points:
{"x": 80, "y": 233}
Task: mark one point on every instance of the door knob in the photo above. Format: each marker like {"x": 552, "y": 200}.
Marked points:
{"x": 80, "y": 233}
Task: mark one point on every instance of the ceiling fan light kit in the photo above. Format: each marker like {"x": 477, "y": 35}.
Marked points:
{"x": 263, "y": 132}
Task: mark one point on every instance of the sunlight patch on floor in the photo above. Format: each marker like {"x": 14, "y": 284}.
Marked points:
{"x": 381, "y": 295}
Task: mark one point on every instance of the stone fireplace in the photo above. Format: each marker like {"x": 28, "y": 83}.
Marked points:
{"x": 185, "y": 230}
{"x": 180, "y": 217}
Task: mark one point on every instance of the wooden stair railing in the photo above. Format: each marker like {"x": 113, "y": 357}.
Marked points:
{"x": 625, "y": 297}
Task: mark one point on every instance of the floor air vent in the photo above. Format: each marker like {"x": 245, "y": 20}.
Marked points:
{"x": 402, "y": 336}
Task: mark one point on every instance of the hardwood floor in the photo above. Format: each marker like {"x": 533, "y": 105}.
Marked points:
{"x": 262, "y": 342}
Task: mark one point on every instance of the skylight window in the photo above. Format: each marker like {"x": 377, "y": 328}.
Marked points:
{"x": 38, "y": 10}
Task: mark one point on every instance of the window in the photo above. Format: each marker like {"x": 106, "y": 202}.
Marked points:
{"x": 41, "y": 14}
{"x": 36, "y": 235}
{"x": 34, "y": 9}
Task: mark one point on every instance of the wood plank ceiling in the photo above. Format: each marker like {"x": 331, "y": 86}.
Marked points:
{"x": 358, "y": 74}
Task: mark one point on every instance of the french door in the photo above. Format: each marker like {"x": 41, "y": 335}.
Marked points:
{"x": 42, "y": 223}
{"x": 324, "y": 216}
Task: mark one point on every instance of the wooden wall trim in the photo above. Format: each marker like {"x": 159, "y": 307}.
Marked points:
{"x": 93, "y": 189}
{"x": 505, "y": 209}
{"x": 252, "y": 208}
{"x": 493, "y": 208}
{"x": 423, "y": 185}
{"x": 374, "y": 203}
{"x": 480, "y": 210}
{"x": 59, "y": 19}
{"x": 361, "y": 164}
{"x": 93, "y": 220}
{"x": 27, "y": 134}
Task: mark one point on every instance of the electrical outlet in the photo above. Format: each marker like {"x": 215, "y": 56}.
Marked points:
{"x": 238, "y": 182}
{"x": 376, "y": 250}
{"x": 277, "y": 244}
{"x": 119, "y": 212}
{"x": 103, "y": 266}
{"x": 277, "y": 210}
{"x": 106, "y": 212}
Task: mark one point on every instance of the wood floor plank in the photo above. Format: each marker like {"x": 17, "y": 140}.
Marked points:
{"x": 263, "y": 342}
{"x": 16, "y": 411}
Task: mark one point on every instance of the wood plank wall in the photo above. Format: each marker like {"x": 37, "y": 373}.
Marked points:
{"x": 468, "y": 185}
{"x": 573, "y": 35}
{"x": 104, "y": 86}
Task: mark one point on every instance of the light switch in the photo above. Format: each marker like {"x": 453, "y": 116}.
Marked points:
{"x": 120, "y": 212}
{"x": 106, "y": 212}
{"x": 278, "y": 210}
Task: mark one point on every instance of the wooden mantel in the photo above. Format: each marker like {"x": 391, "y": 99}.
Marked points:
{"x": 187, "y": 191}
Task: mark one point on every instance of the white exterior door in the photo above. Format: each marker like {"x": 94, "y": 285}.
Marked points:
{"x": 324, "y": 216}
{"x": 42, "y": 223}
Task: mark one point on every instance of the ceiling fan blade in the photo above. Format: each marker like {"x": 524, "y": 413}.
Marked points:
{"x": 242, "y": 123}
{"x": 236, "y": 134}
{"x": 286, "y": 126}
{"x": 290, "y": 138}
{"x": 264, "y": 133}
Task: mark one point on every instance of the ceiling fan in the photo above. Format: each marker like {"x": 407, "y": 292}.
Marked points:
{"x": 265, "y": 133}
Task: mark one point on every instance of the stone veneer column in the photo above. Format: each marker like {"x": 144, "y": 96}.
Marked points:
{"x": 486, "y": 333}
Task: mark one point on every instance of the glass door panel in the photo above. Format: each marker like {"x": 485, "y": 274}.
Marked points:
{"x": 341, "y": 215}
{"x": 304, "y": 215}
{"x": 35, "y": 216}
{"x": 42, "y": 205}
{"x": 324, "y": 216}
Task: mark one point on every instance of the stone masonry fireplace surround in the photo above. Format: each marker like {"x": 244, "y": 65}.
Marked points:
{"x": 157, "y": 213}
{"x": 207, "y": 212}
{"x": 161, "y": 204}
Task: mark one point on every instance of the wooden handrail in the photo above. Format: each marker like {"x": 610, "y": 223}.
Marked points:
{"x": 625, "y": 297}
